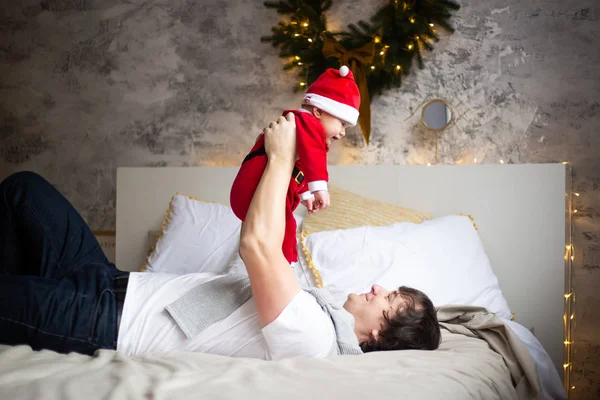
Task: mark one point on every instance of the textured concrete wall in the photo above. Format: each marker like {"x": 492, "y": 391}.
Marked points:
{"x": 86, "y": 86}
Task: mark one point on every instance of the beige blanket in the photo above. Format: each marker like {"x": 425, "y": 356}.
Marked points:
{"x": 464, "y": 367}
{"x": 477, "y": 322}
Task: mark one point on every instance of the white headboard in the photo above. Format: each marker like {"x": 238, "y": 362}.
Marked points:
{"x": 519, "y": 210}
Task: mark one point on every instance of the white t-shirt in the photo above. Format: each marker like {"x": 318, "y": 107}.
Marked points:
{"x": 302, "y": 328}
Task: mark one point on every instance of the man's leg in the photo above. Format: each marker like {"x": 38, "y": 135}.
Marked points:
{"x": 63, "y": 315}
{"x": 40, "y": 232}
{"x": 56, "y": 285}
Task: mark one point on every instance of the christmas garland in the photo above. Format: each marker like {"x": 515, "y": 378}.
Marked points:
{"x": 379, "y": 52}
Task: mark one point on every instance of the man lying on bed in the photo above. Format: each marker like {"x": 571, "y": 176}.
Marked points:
{"x": 58, "y": 291}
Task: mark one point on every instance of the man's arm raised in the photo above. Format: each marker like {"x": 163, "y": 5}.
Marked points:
{"x": 271, "y": 278}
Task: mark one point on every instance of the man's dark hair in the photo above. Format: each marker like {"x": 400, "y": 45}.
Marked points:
{"x": 412, "y": 327}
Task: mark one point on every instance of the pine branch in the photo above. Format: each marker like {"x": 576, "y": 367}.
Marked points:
{"x": 400, "y": 32}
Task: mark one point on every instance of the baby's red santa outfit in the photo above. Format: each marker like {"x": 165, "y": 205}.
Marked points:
{"x": 334, "y": 92}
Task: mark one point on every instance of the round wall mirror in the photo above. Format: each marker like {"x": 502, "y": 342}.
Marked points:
{"x": 436, "y": 115}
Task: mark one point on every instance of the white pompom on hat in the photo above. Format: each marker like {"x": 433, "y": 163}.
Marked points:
{"x": 336, "y": 93}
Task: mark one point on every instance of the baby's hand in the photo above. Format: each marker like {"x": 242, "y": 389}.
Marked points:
{"x": 309, "y": 204}
{"x": 321, "y": 201}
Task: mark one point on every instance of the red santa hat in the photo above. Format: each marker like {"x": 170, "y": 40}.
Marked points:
{"x": 336, "y": 93}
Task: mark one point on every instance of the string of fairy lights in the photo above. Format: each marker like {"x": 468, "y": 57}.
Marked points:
{"x": 569, "y": 296}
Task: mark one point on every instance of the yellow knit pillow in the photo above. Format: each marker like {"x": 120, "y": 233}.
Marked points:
{"x": 350, "y": 210}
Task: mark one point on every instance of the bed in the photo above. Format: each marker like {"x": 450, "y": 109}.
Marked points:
{"x": 519, "y": 211}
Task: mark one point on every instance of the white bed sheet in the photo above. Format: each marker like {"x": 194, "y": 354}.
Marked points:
{"x": 550, "y": 382}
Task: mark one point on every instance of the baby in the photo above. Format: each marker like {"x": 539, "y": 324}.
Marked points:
{"x": 329, "y": 106}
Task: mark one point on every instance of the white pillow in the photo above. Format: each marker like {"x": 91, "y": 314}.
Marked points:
{"x": 198, "y": 237}
{"x": 443, "y": 257}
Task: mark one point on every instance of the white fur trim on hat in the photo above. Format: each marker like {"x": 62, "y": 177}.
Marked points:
{"x": 340, "y": 110}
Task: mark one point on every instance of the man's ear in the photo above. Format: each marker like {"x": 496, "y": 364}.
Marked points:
{"x": 375, "y": 334}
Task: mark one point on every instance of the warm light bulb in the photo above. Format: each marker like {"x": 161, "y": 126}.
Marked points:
{"x": 296, "y": 34}
{"x": 310, "y": 40}
{"x": 576, "y": 194}
{"x": 305, "y": 24}
{"x": 572, "y": 387}
{"x": 302, "y": 83}
{"x": 299, "y": 63}
{"x": 417, "y": 37}
{"x": 474, "y": 160}
{"x": 501, "y": 161}
{"x": 410, "y": 46}
{"x": 429, "y": 164}
{"x": 412, "y": 20}
{"x": 297, "y": 57}
{"x": 431, "y": 25}
{"x": 572, "y": 316}
{"x": 372, "y": 67}
{"x": 398, "y": 67}
{"x": 565, "y": 162}
{"x": 575, "y": 211}
{"x": 377, "y": 39}
{"x": 381, "y": 52}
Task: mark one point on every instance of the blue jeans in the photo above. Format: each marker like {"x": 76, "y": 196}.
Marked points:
{"x": 56, "y": 285}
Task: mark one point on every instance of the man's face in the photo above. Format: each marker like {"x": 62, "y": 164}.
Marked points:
{"x": 368, "y": 309}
